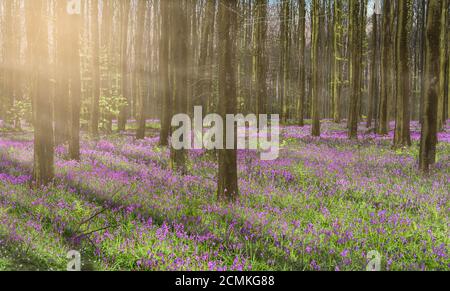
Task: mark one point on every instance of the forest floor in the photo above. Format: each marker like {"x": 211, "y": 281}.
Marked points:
{"x": 323, "y": 205}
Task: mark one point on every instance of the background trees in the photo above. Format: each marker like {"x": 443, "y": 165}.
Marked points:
{"x": 140, "y": 59}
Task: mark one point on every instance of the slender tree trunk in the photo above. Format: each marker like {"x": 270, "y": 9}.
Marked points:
{"x": 75, "y": 86}
{"x": 402, "y": 127}
{"x": 386, "y": 80}
{"x": 164, "y": 74}
{"x": 37, "y": 15}
{"x": 140, "y": 69}
{"x": 206, "y": 54}
{"x": 432, "y": 66}
{"x": 337, "y": 61}
{"x": 315, "y": 63}
{"x": 302, "y": 63}
{"x": 61, "y": 101}
{"x": 442, "y": 65}
{"x": 261, "y": 57}
{"x": 355, "y": 42}
{"x": 123, "y": 114}
{"x": 285, "y": 51}
{"x": 95, "y": 109}
{"x": 180, "y": 46}
{"x": 373, "y": 94}
{"x": 228, "y": 182}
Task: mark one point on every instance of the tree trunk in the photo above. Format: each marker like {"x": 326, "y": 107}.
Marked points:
{"x": 315, "y": 63}
{"x": 180, "y": 46}
{"x": 61, "y": 101}
{"x": 43, "y": 169}
{"x": 95, "y": 109}
{"x": 386, "y": 80}
{"x": 402, "y": 127}
{"x": 337, "y": 61}
{"x": 355, "y": 41}
{"x": 75, "y": 86}
{"x": 228, "y": 182}
{"x": 123, "y": 114}
{"x": 164, "y": 74}
{"x": 302, "y": 63}
{"x": 373, "y": 94}
{"x": 261, "y": 57}
{"x": 140, "y": 69}
{"x": 442, "y": 66}
{"x": 432, "y": 66}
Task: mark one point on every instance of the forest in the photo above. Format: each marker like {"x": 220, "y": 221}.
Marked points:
{"x": 353, "y": 96}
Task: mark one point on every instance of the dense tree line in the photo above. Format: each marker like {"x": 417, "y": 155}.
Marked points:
{"x": 117, "y": 60}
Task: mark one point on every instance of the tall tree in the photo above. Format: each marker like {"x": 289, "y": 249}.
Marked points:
{"x": 285, "y": 46}
{"x": 386, "y": 72}
{"x": 123, "y": 115}
{"x": 432, "y": 65}
{"x": 164, "y": 74}
{"x": 205, "y": 56}
{"x": 228, "y": 182}
{"x": 38, "y": 49}
{"x": 337, "y": 39}
{"x": 74, "y": 28}
{"x": 260, "y": 59}
{"x": 355, "y": 41}
{"x": 95, "y": 107}
{"x": 61, "y": 101}
{"x": 316, "y": 67}
{"x": 180, "y": 47}
{"x": 402, "y": 125}
{"x": 140, "y": 68}
{"x": 443, "y": 58}
{"x": 302, "y": 62}
{"x": 374, "y": 75}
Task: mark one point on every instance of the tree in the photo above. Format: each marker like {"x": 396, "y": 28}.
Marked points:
{"x": 442, "y": 65}
{"x": 228, "y": 182}
{"x": 374, "y": 81}
{"x": 402, "y": 125}
{"x": 432, "y": 65}
{"x": 180, "y": 47}
{"x": 386, "y": 72}
{"x": 164, "y": 74}
{"x": 355, "y": 41}
{"x": 123, "y": 115}
{"x": 337, "y": 39}
{"x": 38, "y": 48}
{"x": 284, "y": 61}
{"x": 302, "y": 65}
{"x": 75, "y": 85}
{"x": 140, "y": 68}
{"x": 61, "y": 101}
{"x": 261, "y": 57}
{"x": 205, "y": 56}
{"x": 316, "y": 70}
{"x": 95, "y": 109}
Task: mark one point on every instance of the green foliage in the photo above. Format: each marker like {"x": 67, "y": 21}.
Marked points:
{"x": 19, "y": 111}
{"x": 110, "y": 106}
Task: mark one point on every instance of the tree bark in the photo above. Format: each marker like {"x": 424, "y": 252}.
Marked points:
{"x": 432, "y": 66}
{"x": 315, "y": 63}
{"x": 402, "y": 127}
{"x": 228, "y": 182}
{"x": 38, "y": 49}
